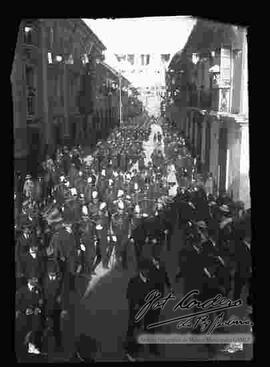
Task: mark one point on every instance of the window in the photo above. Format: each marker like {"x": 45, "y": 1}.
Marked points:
{"x": 56, "y": 86}
{"x": 145, "y": 59}
{"x": 29, "y": 73}
{"x": 31, "y": 98}
{"x": 165, "y": 57}
{"x": 51, "y": 37}
{"x": 30, "y": 89}
{"x": 142, "y": 59}
{"x": 121, "y": 58}
{"x": 50, "y": 58}
{"x": 131, "y": 59}
{"x": 29, "y": 34}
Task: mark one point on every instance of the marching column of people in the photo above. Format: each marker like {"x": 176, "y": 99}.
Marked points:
{"x": 112, "y": 208}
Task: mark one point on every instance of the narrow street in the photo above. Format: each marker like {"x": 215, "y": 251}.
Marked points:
{"x": 131, "y": 174}
{"x": 103, "y": 311}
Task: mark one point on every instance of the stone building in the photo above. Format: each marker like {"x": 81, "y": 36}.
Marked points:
{"x": 53, "y": 86}
{"x": 207, "y": 98}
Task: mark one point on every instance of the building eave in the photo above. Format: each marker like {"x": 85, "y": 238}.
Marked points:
{"x": 82, "y": 24}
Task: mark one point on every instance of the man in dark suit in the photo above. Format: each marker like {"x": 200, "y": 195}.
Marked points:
{"x": 87, "y": 244}
{"x": 24, "y": 241}
{"x": 66, "y": 161}
{"x": 159, "y": 275}
{"x": 32, "y": 264}
{"x": 29, "y": 311}
{"x": 159, "y": 279}
{"x": 138, "y": 288}
{"x": 53, "y": 297}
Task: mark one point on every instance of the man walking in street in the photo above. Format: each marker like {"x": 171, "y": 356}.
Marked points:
{"x": 138, "y": 288}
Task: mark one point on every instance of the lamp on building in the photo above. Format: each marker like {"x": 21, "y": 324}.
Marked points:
{"x": 58, "y": 58}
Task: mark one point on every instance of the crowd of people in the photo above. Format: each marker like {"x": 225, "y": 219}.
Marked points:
{"x": 118, "y": 208}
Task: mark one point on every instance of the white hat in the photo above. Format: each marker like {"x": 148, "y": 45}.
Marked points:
{"x": 120, "y": 193}
{"x": 224, "y": 208}
{"x": 73, "y": 191}
{"x": 85, "y": 210}
{"x": 94, "y": 194}
{"x": 121, "y": 205}
{"x": 89, "y": 180}
{"x": 102, "y": 206}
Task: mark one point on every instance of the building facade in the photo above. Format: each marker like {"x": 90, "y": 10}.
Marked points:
{"x": 147, "y": 73}
{"x": 53, "y": 85}
{"x": 207, "y": 98}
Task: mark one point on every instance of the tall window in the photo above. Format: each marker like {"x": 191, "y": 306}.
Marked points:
{"x": 145, "y": 59}
{"x": 29, "y": 74}
{"x": 31, "y": 99}
{"x": 30, "y": 90}
{"x": 58, "y": 90}
{"x": 29, "y": 34}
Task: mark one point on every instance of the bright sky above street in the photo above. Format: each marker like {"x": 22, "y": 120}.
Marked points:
{"x": 142, "y": 35}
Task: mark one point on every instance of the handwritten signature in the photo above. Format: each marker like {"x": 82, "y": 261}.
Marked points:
{"x": 219, "y": 303}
